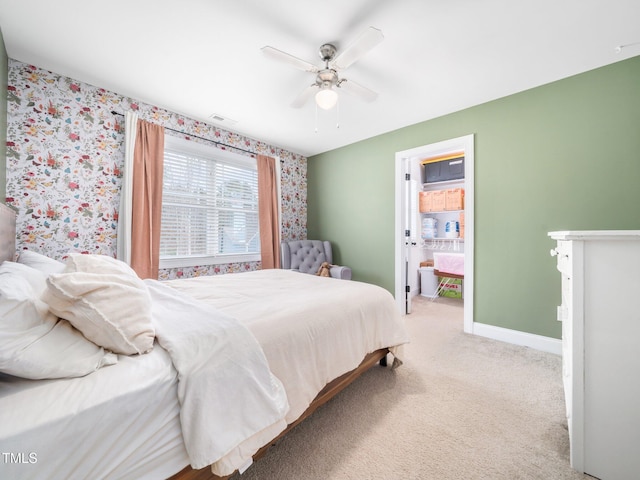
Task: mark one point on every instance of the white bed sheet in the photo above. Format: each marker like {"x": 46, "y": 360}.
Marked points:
{"x": 137, "y": 435}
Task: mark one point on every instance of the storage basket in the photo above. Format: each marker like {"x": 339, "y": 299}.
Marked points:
{"x": 439, "y": 199}
{"x": 425, "y": 202}
{"x": 454, "y": 199}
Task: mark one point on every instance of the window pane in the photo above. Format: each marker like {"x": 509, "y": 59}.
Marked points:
{"x": 209, "y": 206}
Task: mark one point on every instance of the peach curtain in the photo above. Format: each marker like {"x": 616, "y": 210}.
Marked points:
{"x": 146, "y": 211}
{"x": 268, "y": 212}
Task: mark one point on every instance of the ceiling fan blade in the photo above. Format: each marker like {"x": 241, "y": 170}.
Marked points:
{"x": 357, "y": 90}
{"x": 284, "y": 57}
{"x": 365, "y": 42}
{"x": 305, "y": 95}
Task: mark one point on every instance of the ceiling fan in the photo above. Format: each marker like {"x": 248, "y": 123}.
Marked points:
{"x": 327, "y": 77}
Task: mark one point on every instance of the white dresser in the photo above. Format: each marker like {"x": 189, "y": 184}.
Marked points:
{"x": 600, "y": 316}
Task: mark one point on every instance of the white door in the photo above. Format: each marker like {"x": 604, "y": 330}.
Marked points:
{"x": 410, "y": 230}
{"x": 408, "y": 251}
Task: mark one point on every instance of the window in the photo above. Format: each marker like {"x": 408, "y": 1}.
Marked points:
{"x": 209, "y": 206}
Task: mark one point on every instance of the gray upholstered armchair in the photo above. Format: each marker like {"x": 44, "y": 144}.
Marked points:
{"x": 308, "y": 255}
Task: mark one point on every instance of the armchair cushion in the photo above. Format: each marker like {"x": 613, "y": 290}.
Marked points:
{"x": 307, "y": 256}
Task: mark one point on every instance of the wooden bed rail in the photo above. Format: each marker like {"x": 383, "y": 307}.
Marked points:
{"x": 327, "y": 393}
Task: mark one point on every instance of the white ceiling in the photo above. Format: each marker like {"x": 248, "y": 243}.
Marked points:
{"x": 200, "y": 57}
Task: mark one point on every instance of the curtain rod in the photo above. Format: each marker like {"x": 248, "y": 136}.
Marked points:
{"x": 113, "y": 112}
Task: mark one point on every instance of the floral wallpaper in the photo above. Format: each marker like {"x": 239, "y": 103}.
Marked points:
{"x": 65, "y": 152}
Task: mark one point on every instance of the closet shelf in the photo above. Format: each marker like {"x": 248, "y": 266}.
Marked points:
{"x": 441, "y": 211}
{"x": 443, "y": 183}
{"x": 443, "y": 238}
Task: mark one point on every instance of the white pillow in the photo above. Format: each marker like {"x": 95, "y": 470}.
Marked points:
{"x": 34, "y": 343}
{"x": 40, "y": 262}
{"x": 104, "y": 299}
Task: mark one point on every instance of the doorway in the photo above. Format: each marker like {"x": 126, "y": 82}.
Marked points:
{"x": 409, "y": 246}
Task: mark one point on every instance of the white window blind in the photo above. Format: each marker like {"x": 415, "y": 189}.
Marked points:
{"x": 209, "y": 206}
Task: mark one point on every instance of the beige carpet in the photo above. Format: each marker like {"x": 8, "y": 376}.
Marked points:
{"x": 461, "y": 407}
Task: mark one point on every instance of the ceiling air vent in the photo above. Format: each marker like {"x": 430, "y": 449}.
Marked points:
{"x": 220, "y": 120}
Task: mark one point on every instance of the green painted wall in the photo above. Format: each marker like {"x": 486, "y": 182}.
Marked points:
{"x": 4, "y": 72}
{"x": 561, "y": 156}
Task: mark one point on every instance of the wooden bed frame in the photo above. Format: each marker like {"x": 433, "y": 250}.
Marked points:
{"x": 327, "y": 393}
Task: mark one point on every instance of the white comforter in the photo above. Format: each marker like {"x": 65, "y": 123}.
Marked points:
{"x": 312, "y": 329}
{"x": 230, "y": 402}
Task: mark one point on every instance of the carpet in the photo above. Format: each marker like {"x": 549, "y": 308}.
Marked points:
{"x": 461, "y": 407}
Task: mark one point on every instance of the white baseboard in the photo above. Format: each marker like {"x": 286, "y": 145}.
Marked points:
{"x": 537, "y": 342}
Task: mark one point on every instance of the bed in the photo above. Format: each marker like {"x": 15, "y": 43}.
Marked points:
{"x": 231, "y": 363}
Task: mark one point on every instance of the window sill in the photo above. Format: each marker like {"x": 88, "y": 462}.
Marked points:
{"x": 204, "y": 260}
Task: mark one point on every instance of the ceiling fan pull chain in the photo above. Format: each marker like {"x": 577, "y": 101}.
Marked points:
{"x": 316, "y": 118}
{"x": 337, "y": 113}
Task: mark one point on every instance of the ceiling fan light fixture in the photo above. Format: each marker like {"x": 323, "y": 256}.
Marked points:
{"x": 326, "y": 98}
{"x": 327, "y": 77}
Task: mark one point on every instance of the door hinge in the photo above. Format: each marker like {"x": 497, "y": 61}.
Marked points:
{"x": 407, "y": 233}
{"x": 407, "y": 176}
{"x": 407, "y": 289}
